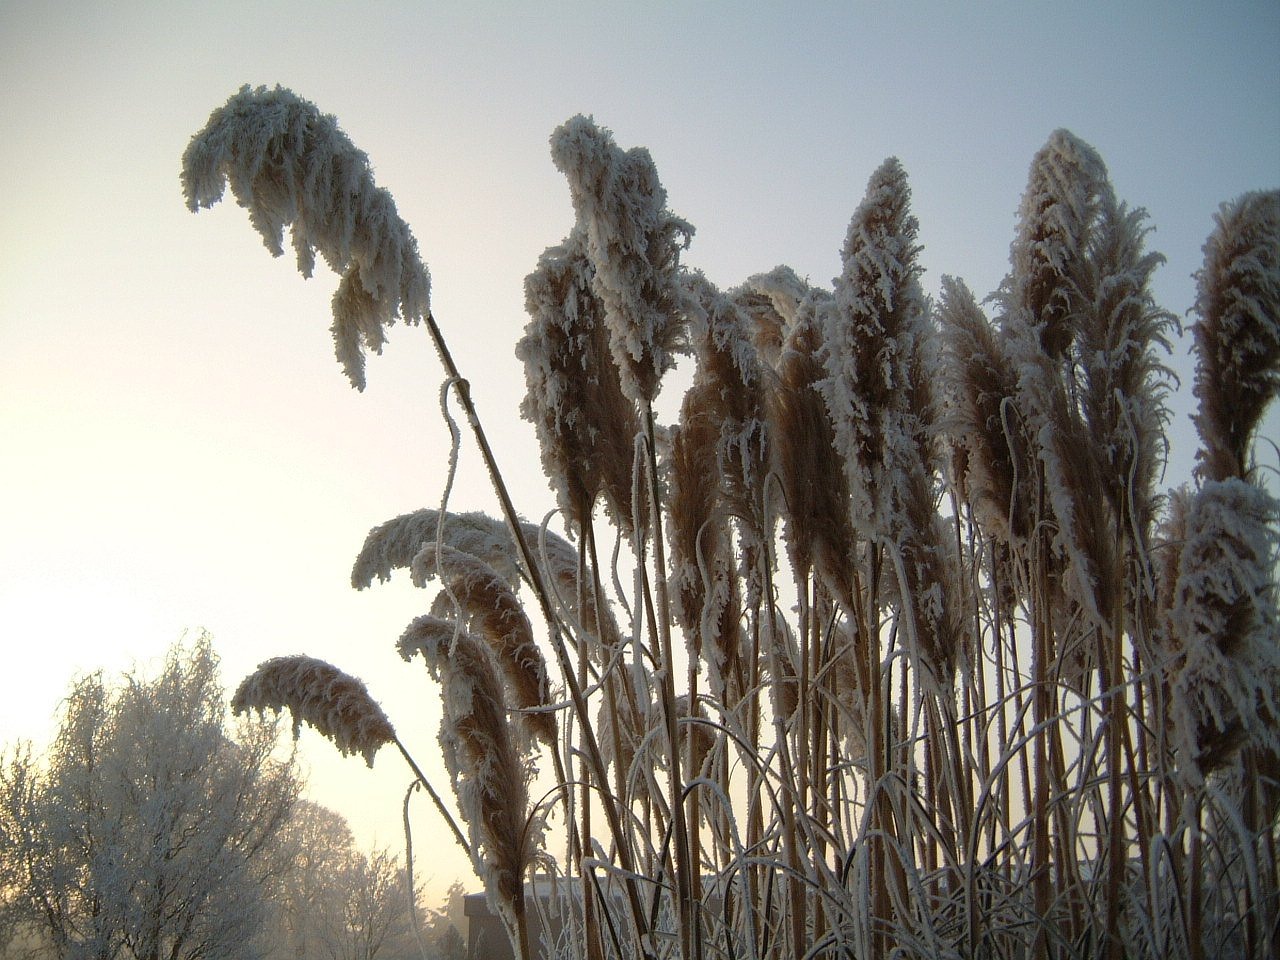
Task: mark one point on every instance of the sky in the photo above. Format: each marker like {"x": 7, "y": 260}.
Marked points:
{"x": 180, "y": 450}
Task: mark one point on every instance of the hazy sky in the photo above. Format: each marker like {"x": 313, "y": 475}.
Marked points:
{"x": 180, "y": 449}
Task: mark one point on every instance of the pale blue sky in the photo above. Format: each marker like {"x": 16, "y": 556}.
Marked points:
{"x": 180, "y": 448}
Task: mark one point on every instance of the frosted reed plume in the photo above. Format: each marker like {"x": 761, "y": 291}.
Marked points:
{"x": 290, "y": 165}
{"x": 1225, "y": 623}
{"x": 953, "y": 733}
{"x": 869, "y": 349}
{"x": 489, "y": 607}
{"x": 1068, "y": 224}
{"x": 992, "y": 464}
{"x": 878, "y": 353}
{"x": 1123, "y": 383}
{"x": 634, "y": 243}
{"x": 490, "y": 781}
{"x": 722, "y": 435}
{"x": 731, "y": 382}
{"x": 701, "y": 566}
{"x": 1058, "y": 210}
{"x": 1171, "y": 537}
{"x": 392, "y": 545}
{"x": 586, "y": 426}
{"x": 1238, "y": 334}
{"x": 429, "y": 637}
{"x": 771, "y": 300}
{"x": 1083, "y": 531}
{"x": 1222, "y": 617}
{"x": 335, "y": 704}
{"x": 815, "y": 493}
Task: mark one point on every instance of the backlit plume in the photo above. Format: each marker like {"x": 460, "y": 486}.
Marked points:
{"x": 290, "y": 165}
{"x": 337, "y": 705}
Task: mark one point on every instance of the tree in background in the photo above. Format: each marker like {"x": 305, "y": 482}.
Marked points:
{"x": 335, "y": 902}
{"x": 147, "y": 831}
{"x": 442, "y": 926}
{"x": 375, "y": 917}
{"x": 317, "y": 843}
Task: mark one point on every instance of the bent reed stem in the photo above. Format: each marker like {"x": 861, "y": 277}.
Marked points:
{"x": 435, "y": 797}
{"x": 592, "y": 748}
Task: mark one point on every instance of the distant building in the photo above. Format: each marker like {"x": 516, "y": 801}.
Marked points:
{"x": 487, "y": 936}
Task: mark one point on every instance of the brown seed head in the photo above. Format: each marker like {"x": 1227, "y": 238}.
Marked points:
{"x": 490, "y": 608}
{"x": 336, "y": 704}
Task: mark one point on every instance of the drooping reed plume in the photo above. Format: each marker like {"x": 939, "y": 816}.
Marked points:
{"x": 490, "y": 781}
{"x": 771, "y": 300}
{"x": 392, "y": 545}
{"x": 488, "y": 607}
{"x": 334, "y": 703}
{"x": 290, "y": 165}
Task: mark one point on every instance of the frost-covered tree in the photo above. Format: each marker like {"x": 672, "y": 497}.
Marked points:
{"x": 317, "y": 843}
{"x": 146, "y": 832}
{"x": 334, "y": 901}
{"x": 441, "y": 926}
{"x": 376, "y": 920}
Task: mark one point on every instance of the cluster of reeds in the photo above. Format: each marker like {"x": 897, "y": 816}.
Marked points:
{"x": 902, "y": 653}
